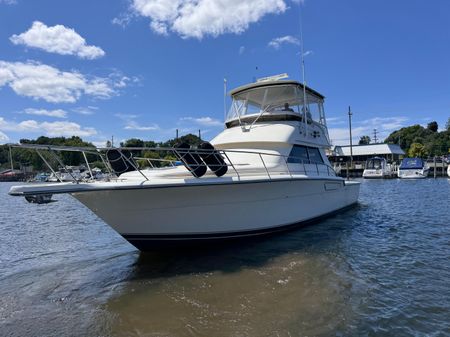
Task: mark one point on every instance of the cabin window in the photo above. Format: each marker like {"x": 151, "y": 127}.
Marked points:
{"x": 298, "y": 154}
{"x": 314, "y": 155}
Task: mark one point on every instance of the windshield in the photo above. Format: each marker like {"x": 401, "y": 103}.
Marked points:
{"x": 374, "y": 164}
{"x": 277, "y": 99}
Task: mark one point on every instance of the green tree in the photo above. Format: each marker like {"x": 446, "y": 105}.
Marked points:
{"x": 133, "y": 142}
{"x": 190, "y": 139}
{"x": 417, "y": 150}
{"x": 364, "y": 140}
{"x": 406, "y": 136}
{"x": 433, "y": 126}
{"x": 447, "y": 125}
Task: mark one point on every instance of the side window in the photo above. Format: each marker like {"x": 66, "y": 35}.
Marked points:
{"x": 298, "y": 154}
{"x": 314, "y": 155}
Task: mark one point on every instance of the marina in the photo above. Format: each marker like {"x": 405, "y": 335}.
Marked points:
{"x": 210, "y": 168}
{"x": 372, "y": 270}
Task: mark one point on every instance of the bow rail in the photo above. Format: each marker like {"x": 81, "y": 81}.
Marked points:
{"x": 240, "y": 163}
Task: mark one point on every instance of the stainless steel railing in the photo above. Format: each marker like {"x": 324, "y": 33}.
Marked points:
{"x": 240, "y": 163}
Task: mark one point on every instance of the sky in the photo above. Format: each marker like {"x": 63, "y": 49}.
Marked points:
{"x": 144, "y": 68}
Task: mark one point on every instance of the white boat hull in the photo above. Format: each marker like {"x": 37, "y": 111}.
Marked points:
{"x": 377, "y": 174}
{"x": 146, "y": 217}
{"x": 413, "y": 174}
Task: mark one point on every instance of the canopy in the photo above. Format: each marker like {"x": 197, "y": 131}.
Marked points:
{"x": 411, "y": 164}
{"x": 280, "y": 91}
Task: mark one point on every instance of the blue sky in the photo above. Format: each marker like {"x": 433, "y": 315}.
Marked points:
{"x": 142, "y": 68}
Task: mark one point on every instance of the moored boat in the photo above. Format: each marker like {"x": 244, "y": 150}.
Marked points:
{"x": 378, "y": 168}
{"x": 65, "y": 174}
{"x": 266, "y": 172}
{"x": 413, "y": 168}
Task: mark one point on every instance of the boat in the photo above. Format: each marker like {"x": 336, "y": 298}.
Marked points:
{"x": 378, "y": 168}
{"x": 413, "y": 168}
{"x": 65, "y": 174}
{"x": 41, "y": 177}
{"x": 448, "y": 170}
{"x": 94, "y": 174}
{"x": 265, "y": 172}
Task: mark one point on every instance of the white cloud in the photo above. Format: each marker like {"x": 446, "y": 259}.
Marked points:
{"x": 123, "y": 19}
{"x": 8, "y": 2}
{"x": 126, "y": 117}
{"x": 132, "y": 125}
{"x": 58, "y": 113}
{"x": 51, "y": 129}
{"x": 386, "y": 123}
{"x": 241, "y": 50}
{"x": 40, "y": 81}
{"x": 288, "y": 39}
{"x": 199, "y": 18}
{"x": 3, "y": 138}
{"x": 384, "y": 126}
{"x": 203, "y": 121}
{"x": 57, "y": 39}
{"x": 88, "y": 110}
{"x": 100, "y": 143}
{"x": 335, "y": 120}
{"x": 340, "y": 136}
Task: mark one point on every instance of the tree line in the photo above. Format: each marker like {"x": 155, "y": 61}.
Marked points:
{"x": 26, "y": 157}
{"x": 419, "y": 141}
{"x": 415, "y": 140}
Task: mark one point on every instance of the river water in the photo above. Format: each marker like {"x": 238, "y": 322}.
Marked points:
{"x": 379, "y": 269}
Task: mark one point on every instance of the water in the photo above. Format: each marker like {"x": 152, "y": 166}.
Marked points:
{"x": 379, "y": 269}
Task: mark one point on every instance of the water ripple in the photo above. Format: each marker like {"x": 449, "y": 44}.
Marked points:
{"x": 379, "y": 269}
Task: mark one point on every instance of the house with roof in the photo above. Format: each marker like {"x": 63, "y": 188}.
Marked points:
{"x": 340, "y": 154}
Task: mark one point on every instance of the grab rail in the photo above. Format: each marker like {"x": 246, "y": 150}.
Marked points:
{"x": 285, "y": 165}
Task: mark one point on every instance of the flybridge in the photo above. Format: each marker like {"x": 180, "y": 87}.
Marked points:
{"x": 275, "y": 99}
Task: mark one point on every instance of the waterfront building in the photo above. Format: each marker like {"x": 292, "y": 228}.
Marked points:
{"x": 339, "y": 156}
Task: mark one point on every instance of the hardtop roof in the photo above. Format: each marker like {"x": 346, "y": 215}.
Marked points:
{"x": 274, "y": 83}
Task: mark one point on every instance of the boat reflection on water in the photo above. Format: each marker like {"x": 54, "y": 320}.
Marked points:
{"x": 39, "y": 198}
{"x": 234, "y": 289}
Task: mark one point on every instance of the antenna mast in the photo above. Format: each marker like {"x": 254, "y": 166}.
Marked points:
{"x": 224, "y": 99}
{"x": 302, "y": 51}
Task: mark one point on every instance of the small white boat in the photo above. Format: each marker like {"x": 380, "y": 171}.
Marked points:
{"x": 265, "y": 172}
{"x": 66, "y": 174}
{"x": 448, "y": 170}
{"x": 94, "y": 174}
{"x": 413, "y": 168}
{"x": 378, "y": 168}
